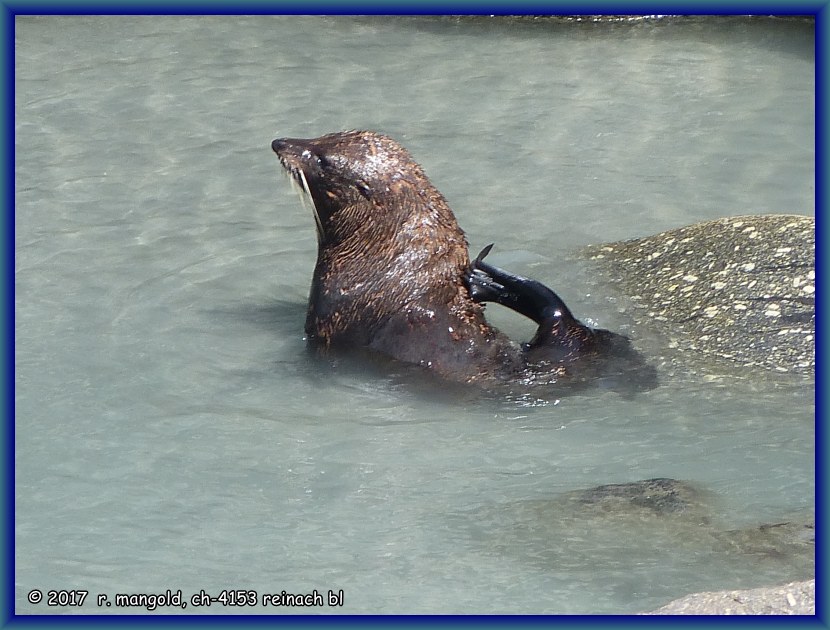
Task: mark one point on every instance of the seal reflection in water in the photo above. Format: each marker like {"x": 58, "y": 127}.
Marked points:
{"x": 393, "y": 276}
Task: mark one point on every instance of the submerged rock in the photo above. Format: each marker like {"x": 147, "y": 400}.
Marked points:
{"x": 789, "y": 539}
{"x": 740, "y": 288}
{"x": 642, "y": 530}
{"x": 659, "y": 496}
{"x": 666, "y": 500}
{"x": 675, "y": 510}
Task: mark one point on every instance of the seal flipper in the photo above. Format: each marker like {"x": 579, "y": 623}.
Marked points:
{"x": 560, "y": 339}
{"x": 523, "y": 295}
{"x": 558, "y": 328}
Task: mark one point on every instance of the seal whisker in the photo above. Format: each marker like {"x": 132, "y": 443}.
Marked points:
{"x": 320, "y": 233}
{"x": 296, "y": 187}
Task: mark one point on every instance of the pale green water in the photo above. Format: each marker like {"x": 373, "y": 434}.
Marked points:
{"x": 170, "y": 432}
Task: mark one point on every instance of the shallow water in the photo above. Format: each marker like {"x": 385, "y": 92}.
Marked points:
{"x": 171, "y": 431}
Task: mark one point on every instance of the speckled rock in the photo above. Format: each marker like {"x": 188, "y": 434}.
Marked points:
{"x": 740, "y": 288}
{"x": 795, "y": 598}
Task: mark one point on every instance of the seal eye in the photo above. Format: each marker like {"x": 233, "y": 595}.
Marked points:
{"x": 363, "y": 187}
{"x": 322, "y": 162}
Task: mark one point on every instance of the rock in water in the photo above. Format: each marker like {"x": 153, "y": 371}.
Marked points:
{"x": 739, "y": 288}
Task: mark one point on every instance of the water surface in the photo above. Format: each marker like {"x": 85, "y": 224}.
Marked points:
{"x": 171, "y": 431}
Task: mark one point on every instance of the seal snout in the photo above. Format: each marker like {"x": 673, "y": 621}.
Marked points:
{"x": 283, "y": 146}
{"x": 279, "y": 145}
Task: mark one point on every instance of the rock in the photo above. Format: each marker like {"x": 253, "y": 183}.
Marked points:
{"x": 795, "y": 598}
{"x": 659, "y": 496}
{"x": 740, "y": 289}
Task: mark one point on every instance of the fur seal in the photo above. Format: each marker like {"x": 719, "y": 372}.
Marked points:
{"x": 393, "y": 274}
